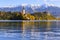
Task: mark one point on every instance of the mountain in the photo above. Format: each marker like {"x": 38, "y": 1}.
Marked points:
{"x": 12, "y": 9}
{"x": 35, "y": 8}
{"x": 54, "y": 10}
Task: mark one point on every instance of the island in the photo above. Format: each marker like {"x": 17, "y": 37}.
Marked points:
{"x": 26, "y": 16}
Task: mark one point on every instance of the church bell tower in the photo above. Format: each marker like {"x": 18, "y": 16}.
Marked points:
{"x": 23, "y": 10}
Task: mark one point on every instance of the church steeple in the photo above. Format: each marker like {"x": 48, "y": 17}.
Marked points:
{"x": 23, "y": 10}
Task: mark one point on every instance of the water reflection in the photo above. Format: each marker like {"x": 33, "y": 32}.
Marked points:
{"x": 36, "y": 26}
{"x": 41, "y": 26}
{"x": 29, "y": 26}
{"x": 30, "y": 30}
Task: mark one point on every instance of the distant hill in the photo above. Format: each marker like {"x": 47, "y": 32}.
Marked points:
{"x": 43, "y": 16}
{"x": 31, "y": 9}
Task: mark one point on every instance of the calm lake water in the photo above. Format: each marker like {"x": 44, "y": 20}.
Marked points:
{"x": 30, "y": 30}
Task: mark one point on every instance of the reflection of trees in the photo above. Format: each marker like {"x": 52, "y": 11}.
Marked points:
{"x": 10, "y": 25}
{"x": 48, "y": 26}
{"x": 33, "y": 29}
{"x": 36, "y": 26}
{"x": 27, "y": 26}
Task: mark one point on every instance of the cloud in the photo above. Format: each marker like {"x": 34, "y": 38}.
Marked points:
{"x": 24, "y": 4}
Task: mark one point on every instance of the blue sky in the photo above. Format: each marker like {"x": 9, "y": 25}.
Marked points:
{"x": 12, "y": 3}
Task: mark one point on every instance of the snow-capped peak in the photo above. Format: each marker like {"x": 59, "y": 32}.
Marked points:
{"x": 35, "y": 5}
{"x": 51, "y": 5}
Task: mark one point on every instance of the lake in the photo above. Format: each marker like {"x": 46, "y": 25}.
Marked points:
{"x": 30, "y": 30}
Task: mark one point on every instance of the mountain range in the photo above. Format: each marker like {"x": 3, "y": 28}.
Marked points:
{"x": 54, "y": 10}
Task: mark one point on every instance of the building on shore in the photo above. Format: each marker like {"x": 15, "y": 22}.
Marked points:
{"x": 23, "y": 10}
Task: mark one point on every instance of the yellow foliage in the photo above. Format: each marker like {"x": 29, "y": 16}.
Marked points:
{"x": 31, "y": 17}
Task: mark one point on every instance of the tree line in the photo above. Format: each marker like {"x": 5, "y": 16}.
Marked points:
{"x": 27, "y": 16}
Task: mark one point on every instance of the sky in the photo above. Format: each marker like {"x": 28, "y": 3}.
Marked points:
{"x": 13, "y": 3}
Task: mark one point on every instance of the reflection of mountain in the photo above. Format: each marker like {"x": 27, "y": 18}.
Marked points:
{"x": 53, "y": 9}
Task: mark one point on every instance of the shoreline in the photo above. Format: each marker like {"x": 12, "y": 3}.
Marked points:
{"x": 28, "y": 20}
